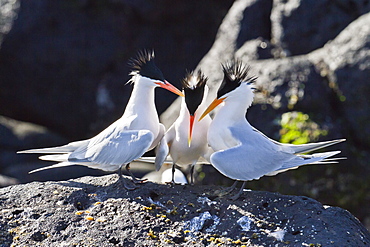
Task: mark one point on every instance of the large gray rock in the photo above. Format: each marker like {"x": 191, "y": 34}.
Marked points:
{"x": 8, "y": 13}
{"x": 16, "y": 135}
{"x": 245, "y": 21}
{"x": 345, "y": 63}
{"x": 63, "y": 64}
{"x": 330, "y": 84}
{"x": 98, "y": 212}
{"x": 301, "y": 26}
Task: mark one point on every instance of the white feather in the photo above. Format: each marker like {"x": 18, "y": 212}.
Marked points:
{"x": 244, "y": 153}
{"x": 128, "y": 138}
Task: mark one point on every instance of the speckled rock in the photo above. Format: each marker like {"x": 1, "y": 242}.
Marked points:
{"x": 96, "y": 211}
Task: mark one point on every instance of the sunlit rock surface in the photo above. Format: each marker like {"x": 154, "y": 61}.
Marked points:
{"x": 96, "y": 211}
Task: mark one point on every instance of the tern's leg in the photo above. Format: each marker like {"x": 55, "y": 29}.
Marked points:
{"x": 134, "y": 179}
{"x": 239, "y": 193}
{"x": 228, "y": 190}
{"x": 173, "y": 173}
{"x": 125, "y": 182}
{"x": 192, "y": 174}
{"x": 232, "y": 187}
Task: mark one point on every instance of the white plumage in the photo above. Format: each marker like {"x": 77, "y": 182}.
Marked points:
{"x": 128, "y": 138}
{"x": 186, "y": 140}
{"x": 242, "y": 152}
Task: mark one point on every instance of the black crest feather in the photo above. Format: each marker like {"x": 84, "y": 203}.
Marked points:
{"x": 194, "y": 93}
{"x": 235, "y": 72}
{"x": 200, "y": 77}
{"x": 143, "y": 64}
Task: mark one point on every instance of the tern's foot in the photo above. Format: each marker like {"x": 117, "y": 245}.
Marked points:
{"x": 138, "y": 181}
{"x": 235, "y": 197}
{"x": 126, "y": 183}
{"x": 172, "y": 183}
{"x": 129, "y": 185}
{"x": 134, "y": 179}
{"x": 226, "y": 191}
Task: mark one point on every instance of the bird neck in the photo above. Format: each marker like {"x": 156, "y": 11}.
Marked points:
{"x": 236, "y": 104}
{"x": 231, "y": 112}
{"x": 141, "y": 101}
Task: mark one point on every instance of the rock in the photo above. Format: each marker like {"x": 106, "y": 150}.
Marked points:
{"x": 233, "y": 34}
{"x": 329, "y": 84}
{"x": 17, "y": 135}
{"x": 6, "y": 181}
{"x": 301, "y": 26}
{"x": 20, "y": 171}
{"x": 95, "y": 211}
{"x": 345, "y": 63}
{"x": 8, "y": 13}
{"x": 72, "y": 80}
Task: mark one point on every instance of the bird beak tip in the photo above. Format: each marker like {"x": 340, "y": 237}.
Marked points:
{"x": 168, "y": 86}
{"x": 212, "y": 106}
{"x": 191, "y": 124}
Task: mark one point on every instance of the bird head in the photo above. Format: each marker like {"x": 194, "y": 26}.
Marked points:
{"x": 143, "y": 66}
{"x": 193, "y": 87}
{"x": 236, "y": 85}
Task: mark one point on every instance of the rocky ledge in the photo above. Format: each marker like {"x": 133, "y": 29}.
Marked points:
{"x": 96, "y": 211}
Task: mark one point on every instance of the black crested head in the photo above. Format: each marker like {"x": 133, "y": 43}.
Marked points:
{"x": 143, "y": 64}
{"x": 235, "y": 72}
{"x": 194, "y": 92}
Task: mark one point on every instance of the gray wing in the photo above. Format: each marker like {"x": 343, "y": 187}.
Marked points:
{"x": 117, "y": 149}
{"x": 246, "y": 162}
{"x": 156, "y": 141}
{"x": 252, "y": 158}
{"x": 302, "y": 148}
{"x": 163, "y": 150}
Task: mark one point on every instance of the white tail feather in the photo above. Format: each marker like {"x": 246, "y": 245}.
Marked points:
{"x": 309, "y": 147}
{"x": 55, "y": 157}
{"x": 54, "y": 150}
{"x": 317, "y": 158}
{"x": 70, "y": 147}
{"x": 62, "y": 164}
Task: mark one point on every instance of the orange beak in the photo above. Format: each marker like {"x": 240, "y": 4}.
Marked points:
{"x": 190, "y": 129}
{"x": 212, "y": 106}
{"x": 170, "y": 87}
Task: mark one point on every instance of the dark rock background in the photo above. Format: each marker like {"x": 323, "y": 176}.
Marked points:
{"x": 63, "y": 67}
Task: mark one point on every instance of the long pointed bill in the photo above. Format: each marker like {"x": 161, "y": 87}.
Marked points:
{"x": 190, "y": 129}
{"x": 170, "y": 87}
{"x": 212, "y": 106}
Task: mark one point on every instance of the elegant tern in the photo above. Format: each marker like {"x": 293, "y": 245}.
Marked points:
{"x": 186, "y": 139}
{"x": 128, "y": 138}
{"x": 242, "y": 152}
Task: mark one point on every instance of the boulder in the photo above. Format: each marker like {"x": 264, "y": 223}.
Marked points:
{"x": 330, "y": 84}
{"x": 345, "y": 63}
{"x": 63, "y": 65}
{"x": 6, "y": 181}
{"x": 17, "y": 135}
{"x": 302, "y": 26}
{"x": 96, "y": 211}
{"x": 8, "y": 13}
